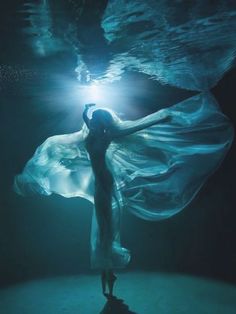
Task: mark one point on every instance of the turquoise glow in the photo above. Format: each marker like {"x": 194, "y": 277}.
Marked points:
{"x": 159, "y": 169}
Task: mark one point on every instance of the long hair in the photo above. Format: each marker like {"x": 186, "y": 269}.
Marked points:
{"x": 109, "y": 118}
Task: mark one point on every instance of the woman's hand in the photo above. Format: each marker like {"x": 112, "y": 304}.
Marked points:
{"x": 85, "y": 114}
{"x": 164, "y": 115}
{"x": 87, "y": 106}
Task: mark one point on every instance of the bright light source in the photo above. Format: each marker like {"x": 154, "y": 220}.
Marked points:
{"x": 113, "y": 95}
{"x": 95, "y": 93}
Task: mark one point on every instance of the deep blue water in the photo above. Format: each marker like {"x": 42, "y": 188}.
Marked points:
{"x": 141, "y": 56}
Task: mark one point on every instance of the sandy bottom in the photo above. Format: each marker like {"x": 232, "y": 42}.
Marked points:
{"x": 136, "y": 292}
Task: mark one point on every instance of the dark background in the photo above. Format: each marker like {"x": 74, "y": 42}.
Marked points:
{"x": 46, "y": 236}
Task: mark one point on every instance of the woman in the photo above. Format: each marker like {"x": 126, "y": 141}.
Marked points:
{"x": 102, "y": 130}
{"x": 153, "y": 167}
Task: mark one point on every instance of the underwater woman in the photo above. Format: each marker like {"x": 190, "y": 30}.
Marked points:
{"x": 151, "y": 167}
{"x": 103, "y": 128}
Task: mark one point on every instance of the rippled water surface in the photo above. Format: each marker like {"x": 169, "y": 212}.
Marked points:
{"x": 175, "y": 42}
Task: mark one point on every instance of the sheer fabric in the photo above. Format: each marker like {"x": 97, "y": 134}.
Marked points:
{"x": 160, "y": 169}
{"x": 157, "y": 170}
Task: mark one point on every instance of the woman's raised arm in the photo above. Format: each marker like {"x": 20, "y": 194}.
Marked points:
{"x": 85, "y": 114}
{"x": 130, "y": 127}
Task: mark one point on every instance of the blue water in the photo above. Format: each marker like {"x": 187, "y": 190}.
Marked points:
{"x": 186, "y": 45}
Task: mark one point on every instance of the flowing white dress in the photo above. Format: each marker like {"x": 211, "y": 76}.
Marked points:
{"x": 157, "y": 170}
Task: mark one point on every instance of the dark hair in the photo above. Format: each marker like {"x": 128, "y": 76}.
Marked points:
{"x": 106, "y": 117}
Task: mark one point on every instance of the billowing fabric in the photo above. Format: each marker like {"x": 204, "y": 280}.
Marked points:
{"x": 157, "y": 170}
{"x": 60, "y": 165}
{"x": 160, "y": 169}
{"x": 111, "y": 256}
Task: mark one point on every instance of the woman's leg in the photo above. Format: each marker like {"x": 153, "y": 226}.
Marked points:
{"x": 102, "y": 200}
{"x": 108, "y": 278}
{"x": 111, "y": 278}
{"x": 103, "y": 207}
{"x": 104, "y": 281}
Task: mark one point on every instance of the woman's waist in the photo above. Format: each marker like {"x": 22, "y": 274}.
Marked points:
{"x": 103, "y": 175}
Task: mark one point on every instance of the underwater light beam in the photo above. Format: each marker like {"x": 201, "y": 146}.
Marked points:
{"x": 96, "y": 93}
